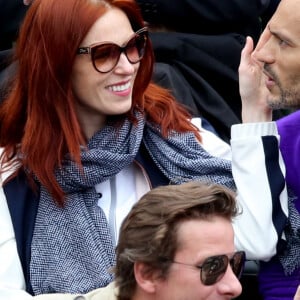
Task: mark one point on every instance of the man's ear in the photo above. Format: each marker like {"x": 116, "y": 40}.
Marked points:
{"x": 145, "y": 277}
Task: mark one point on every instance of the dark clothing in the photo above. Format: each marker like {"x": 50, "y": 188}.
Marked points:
{"x": 288, "y": 128}
{"x": 201, "y": 71}
{"x": 11, "y": 15}
{"x": 23, "y": 204}
{"x": 209, "y": 16}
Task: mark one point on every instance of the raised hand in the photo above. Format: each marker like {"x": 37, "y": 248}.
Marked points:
{"x": 252, "y": 88}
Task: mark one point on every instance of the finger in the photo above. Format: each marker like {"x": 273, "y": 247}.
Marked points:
{"x": 247, "y": 50}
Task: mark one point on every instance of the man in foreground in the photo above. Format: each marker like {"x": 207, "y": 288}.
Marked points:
{"x": 176, "y": 243}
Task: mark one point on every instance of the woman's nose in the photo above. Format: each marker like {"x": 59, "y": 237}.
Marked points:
{"x": 124, "y": 65}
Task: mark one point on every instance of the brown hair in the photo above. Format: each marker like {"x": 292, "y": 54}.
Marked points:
{"x": 39, "y": 125}
{"x": 149, "y": 232}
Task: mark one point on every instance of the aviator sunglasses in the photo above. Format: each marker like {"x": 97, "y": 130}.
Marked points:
{"x": 214, "y": 267}
{"x": 105, "y": 56}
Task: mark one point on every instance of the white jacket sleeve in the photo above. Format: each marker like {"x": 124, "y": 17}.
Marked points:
{"x": 259, "y": 174}
{"x": 12, "y": 283}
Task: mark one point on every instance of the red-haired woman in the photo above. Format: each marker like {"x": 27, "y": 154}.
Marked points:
{"x": 85, "y": 133}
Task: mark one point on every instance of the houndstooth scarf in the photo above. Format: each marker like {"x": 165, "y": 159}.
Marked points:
{"x": 72, "y": 248}
{"x": 290, "y": 258}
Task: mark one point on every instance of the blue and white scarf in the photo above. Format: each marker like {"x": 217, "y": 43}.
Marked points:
{"x": 72, "y": 248}
{"x": 290, "y": 257}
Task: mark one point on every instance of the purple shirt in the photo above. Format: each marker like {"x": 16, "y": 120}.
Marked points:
{"x": 289, "y": 131}
{"x": 274, "y": 284}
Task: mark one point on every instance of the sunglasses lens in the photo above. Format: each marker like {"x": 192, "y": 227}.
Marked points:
{"x": 135, "y": 48}
{"x": 237, "y": 263}
{"x": 213, "y": 269}
{"x": 105, "y": 57}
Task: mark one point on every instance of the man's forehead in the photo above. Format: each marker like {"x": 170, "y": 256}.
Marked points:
{"x": 286, "y": 20}
{"x": 288, "y": 8}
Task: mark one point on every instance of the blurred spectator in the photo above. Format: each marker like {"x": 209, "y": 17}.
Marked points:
{"x": 197, "y": 46}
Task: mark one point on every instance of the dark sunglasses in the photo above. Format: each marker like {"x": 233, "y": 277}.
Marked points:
{"x": 105, "y": 56}
{"x": 214, "y": 267}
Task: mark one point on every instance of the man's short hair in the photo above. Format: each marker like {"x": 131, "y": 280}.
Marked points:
{"x": 149, "y": 232}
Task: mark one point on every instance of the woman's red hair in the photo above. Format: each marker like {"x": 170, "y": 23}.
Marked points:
{"x": 39, "y": 125}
